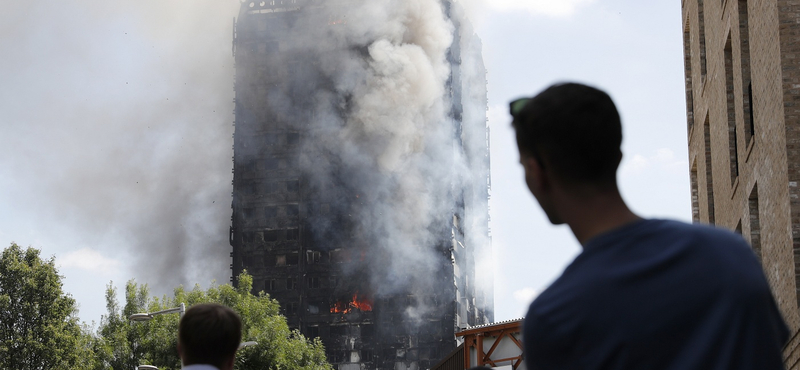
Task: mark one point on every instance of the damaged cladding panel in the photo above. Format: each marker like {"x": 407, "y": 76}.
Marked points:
{"x": 299, "y": 240}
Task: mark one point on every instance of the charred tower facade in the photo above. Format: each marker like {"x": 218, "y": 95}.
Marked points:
{"x": 361, "y": 174}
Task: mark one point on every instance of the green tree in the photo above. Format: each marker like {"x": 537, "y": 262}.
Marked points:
{"x": 124, "y": 344}
{"x": 39, "y": 328}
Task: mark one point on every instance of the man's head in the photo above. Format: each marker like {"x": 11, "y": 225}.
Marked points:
{"x": 571, "y": 134}
{"x": 209, "y": 334}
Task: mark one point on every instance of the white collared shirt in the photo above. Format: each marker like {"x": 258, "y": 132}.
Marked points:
{"x": 200, "y": 367}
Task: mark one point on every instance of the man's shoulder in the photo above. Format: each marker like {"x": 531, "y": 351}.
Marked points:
{"x": 649, "y": 249}
{"x": 698, "y": 237}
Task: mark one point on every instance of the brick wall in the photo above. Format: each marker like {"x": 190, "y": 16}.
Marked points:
{"x": 753, "y": 138}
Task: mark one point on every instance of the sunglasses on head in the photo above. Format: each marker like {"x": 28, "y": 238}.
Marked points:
{"x": 515, "y": 107}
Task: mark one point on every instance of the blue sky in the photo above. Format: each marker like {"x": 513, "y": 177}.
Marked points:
{"x": 76, "y": 73}
{"x": 631, "y": 49}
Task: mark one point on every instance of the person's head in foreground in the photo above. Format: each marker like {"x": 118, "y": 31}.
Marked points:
{"x": 209, "y": 334}
{"x": 569, "y": 138}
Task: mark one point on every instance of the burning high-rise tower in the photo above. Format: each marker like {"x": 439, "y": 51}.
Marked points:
{"x": 361, "y": 174}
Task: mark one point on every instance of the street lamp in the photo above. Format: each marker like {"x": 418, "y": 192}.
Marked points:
{"x": 146, "y": 316}
{"x": 247, "y": 344}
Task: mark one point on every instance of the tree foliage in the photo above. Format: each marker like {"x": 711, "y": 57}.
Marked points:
{"x": 39, "y": 328}
{"x": 124, "y": 345}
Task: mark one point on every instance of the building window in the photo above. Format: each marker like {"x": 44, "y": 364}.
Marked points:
{"x": 332, "y": 282}
{"x": 316, "y": 306}
{"x": 248, "y": 213}
{"x": 292, "y": 234}
{"x": 695, "y": 199}
{"x": 366, "y": 355}
{"x": 271, "y": 164}
{"x": 733, "y": 147}
{"x": 709, "y": 171}
{"x": 687, "y": 63}
{"x": 312, "y": 331}
{"x": 291, "y": 210}
{"x": 270, "y": 235}
{"x": 291, "y": 283}
{"x": 249, "y": 189}
{"x": 747, "y": 86}
{"x": 755, "y": 222}
{"x": 313, "y": 257}
{"x": 292, "y": 138}
{"x": 338, "y": 330}
{"x": 293, "y": 186}
{"x": 701, "y": 19}
{"x": 338, "y": 255}
{"x": 367, "y": 331}
{"x": 292, "y": 259}
{"x": 269, "y": 140}
{"x": 312, "y": 282}
{"x": 270, "y": 285}
{"x": 280, "y": 260}
{"x": 270, "y": 212}
{"x": 338, "y": 356}
{"x": 250, "y": 166}
{"x": 291, "y": 309}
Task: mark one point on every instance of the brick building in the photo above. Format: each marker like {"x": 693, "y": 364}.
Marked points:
{"x": 743, "y": 115}
{"x": 304, "y": 212}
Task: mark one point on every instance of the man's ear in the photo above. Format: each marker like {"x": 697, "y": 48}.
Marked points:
{"x": 536, "y": 176}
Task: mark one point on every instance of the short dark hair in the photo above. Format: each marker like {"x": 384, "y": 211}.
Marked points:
{"x": 573, "y": 128}
{"x": 210, "y": 334}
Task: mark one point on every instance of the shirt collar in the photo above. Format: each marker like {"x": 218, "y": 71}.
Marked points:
{"x": 200, "y": 367}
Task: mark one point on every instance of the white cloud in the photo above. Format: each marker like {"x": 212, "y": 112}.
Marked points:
{"x": 526, "y": 295}
{"x": 550, "y": 8}
{"x": 88, "y": 259}
{"x": 663, "y": 159}
{"x": 638, "y": 163}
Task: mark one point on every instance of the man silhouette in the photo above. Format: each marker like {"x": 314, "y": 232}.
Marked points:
{"x": 643, "y": 293}
{"x": 208, "y": 336}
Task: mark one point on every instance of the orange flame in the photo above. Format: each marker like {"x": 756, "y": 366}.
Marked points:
{"x": 363, "y": 304}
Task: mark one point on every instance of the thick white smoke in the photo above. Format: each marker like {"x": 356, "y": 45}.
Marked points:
{"x": 388, "y": 130}
{"x": 401, "y": 103}
{"x": 116, "y": 119}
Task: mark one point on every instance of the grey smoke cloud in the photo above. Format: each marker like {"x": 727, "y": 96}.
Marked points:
{"x": 384, "y": 140}
{"x": 116, "y": 118}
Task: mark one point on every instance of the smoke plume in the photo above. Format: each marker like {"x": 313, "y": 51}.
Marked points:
{"x": 385, "y": 140}
{"x": 117, "y": 118}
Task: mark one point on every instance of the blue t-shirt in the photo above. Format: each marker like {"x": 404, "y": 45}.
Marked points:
{"x": 657, "y": 294}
